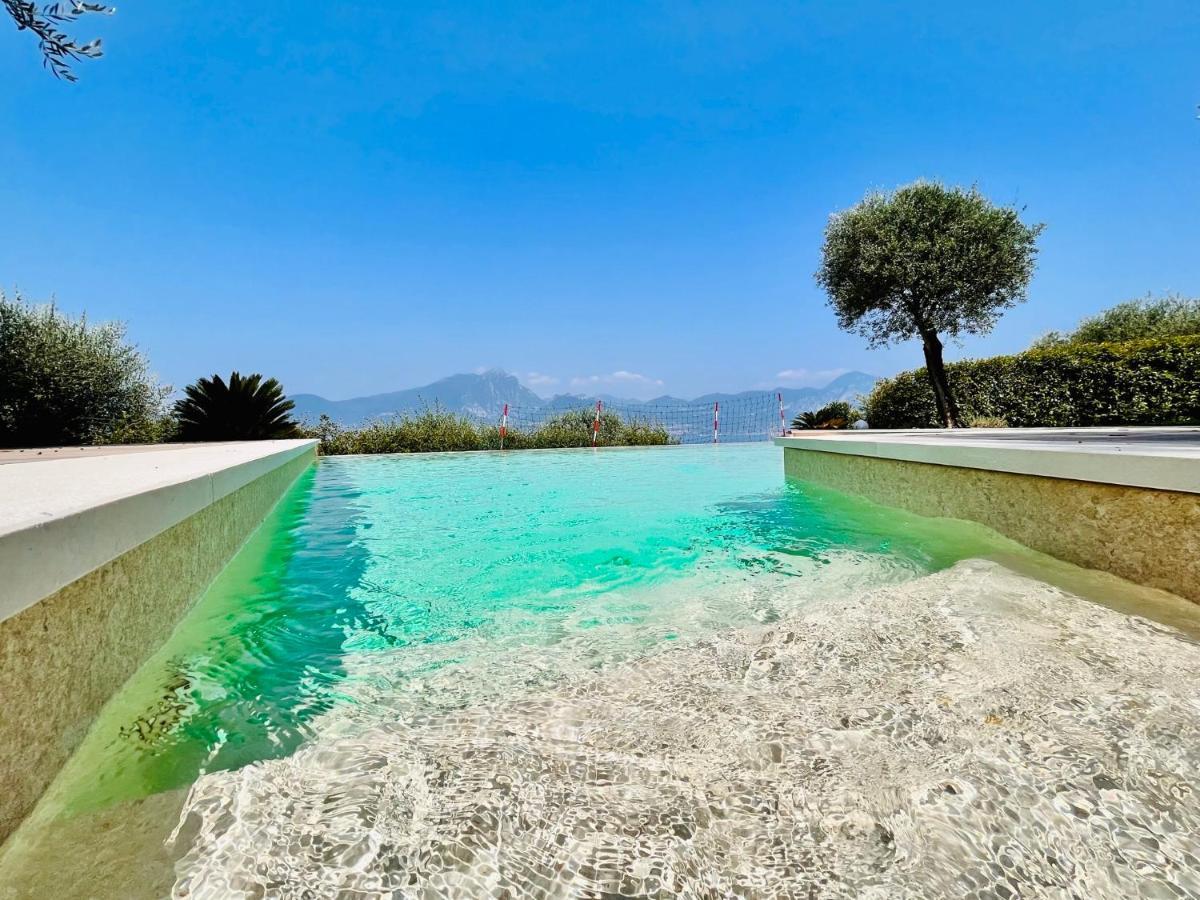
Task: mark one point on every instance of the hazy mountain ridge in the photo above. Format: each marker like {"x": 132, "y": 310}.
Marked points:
{"x": 478, "y": 396}
{"x": 482, "y": 396}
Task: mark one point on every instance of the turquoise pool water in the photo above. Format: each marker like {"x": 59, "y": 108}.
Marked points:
{"x": 641, "y": 672}
{"x": 387, "y": 585}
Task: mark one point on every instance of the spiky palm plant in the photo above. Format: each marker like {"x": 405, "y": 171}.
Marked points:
{"x": 838, "y": 414}
{"x": 245, "y": 409}
{"x": 805, "y": 421}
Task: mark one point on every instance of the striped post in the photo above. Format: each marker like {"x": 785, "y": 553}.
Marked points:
{"x": 503, "y": 425}
{"x": 782, "y": 420}
{"x": 596, "y": 425}
{"x": 716, "y": 419}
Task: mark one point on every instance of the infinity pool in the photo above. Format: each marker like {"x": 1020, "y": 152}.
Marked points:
{"x": 626, "y": 672}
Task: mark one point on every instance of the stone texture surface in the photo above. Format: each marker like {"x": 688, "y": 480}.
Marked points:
{"x": 118, "y": 852}
{"x": 61, "y": 659}
{"x": 1146, "y": 536}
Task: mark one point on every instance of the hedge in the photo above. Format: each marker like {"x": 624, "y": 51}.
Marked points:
{"x": 1146, "y": 382}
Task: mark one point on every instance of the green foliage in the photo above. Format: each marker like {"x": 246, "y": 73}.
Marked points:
{"x": 64, "y": 380}
{"x": 573, "y": 428}
{"x": 986, "y": 422}
{"x": 926, "y": 261}
{"x": 838, "y": 414}
{"x": 1170, "y": 316}
{"x": 925, "y": 258}
{"x": 244, "y": 409}
{"x": 1149, "y": 382}
{"x": 59, "y": 49}
{"x": 434, "y": 430}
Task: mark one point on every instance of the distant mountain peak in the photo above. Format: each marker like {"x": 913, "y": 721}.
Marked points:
{"x": 851, "y": 379}
{"x": 482, "y": 395}
{"x": 478, "y": 395}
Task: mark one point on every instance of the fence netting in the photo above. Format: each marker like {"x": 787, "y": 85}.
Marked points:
{"x": 749, "y": 417}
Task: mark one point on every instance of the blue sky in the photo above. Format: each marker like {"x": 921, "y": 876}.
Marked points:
{"x": 364, "y": 196}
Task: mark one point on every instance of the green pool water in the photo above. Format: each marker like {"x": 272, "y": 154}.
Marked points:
{"x": 384, "y": 586}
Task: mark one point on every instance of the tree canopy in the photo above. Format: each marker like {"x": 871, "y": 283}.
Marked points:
{"x": 926, "y": 261}
{"x": 64, "y": 380}
{"x": 46, "y": 23}
{"x": 1172, "y": 315}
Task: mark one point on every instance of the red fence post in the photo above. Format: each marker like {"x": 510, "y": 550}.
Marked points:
{"x": 596, "y": 425}
{"x": 716, "y": 419}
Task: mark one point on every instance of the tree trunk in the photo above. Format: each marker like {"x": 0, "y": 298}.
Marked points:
{"x": 946, "y": 407}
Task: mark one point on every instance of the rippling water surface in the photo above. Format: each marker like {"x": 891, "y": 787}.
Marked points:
{"x": 632, "y": 673}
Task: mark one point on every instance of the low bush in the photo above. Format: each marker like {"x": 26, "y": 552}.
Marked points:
{"x": 986, "y": 422}
{"x": 836, "y": 415}
{"x": 573, "y": 428}
{"x": 437, "y": 430}
{"x": 1147, "y": 382}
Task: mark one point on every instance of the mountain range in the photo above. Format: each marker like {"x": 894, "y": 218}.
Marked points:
{"x": 482, "y": 396}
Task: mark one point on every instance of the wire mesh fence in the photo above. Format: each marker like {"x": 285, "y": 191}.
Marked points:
{"x": 749, "y": 417}
{"x": 565, "y": 423}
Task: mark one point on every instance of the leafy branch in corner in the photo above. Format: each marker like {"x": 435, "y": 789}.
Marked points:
{"x": 58, "y": 48}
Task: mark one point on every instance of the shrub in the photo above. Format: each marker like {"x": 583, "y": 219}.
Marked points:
{"x": 1169, "y": 316}
{"x": 431, "y": 430}
{"x": 574, "y": 429}
{"x": 244, "y": 409}
{"x": 64, "y": 380}
{"x": 1150, "y": 382}
{"x": 436, "y": 430}
{"x": 835, "y": 415}
{"x": 986, "y": 422}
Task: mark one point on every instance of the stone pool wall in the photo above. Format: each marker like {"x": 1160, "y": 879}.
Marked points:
{"x": 64, "y": 656}
{"x": 1147, "y": 536}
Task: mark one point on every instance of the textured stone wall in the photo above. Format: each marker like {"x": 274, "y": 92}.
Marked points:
{"x": 62, "y": 658}
{"x": 1146, "y": 536}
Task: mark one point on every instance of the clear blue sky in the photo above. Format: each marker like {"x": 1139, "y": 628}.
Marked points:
{"x": 362, "y": 196}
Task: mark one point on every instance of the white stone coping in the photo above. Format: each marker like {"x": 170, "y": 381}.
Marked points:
{"x": 1157, "y": 458}
{"x": 63, "y": 518}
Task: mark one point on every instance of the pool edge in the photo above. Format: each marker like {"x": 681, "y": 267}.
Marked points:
{"x": 1145, "y": 535}
{"x": 64, "y": 655}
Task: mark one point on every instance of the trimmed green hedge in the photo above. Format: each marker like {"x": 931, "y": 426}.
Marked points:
{"x": 1148, "y": 382}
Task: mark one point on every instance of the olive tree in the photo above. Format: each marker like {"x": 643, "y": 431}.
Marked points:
{"x": 64, "y": 380}
{"x": 926, "y": 261}
{"x": 46, "y": 23}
